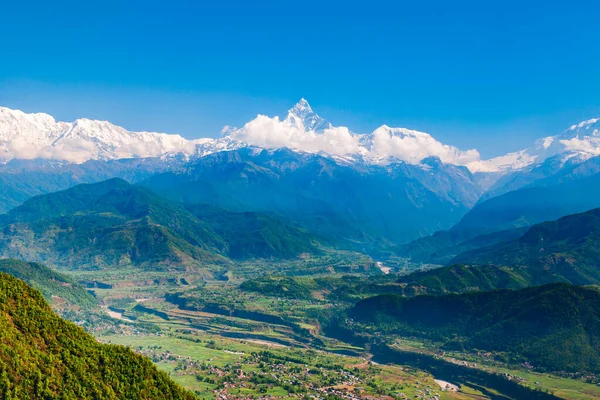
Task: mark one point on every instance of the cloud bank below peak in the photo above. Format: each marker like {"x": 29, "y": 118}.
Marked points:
{"x": 297, "y": 132}
{"x": 304, "y": 130}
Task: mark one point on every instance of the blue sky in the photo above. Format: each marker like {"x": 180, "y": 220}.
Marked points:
{"x": 475, "y": 74}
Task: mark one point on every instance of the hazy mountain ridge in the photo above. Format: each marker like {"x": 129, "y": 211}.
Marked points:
{"x": 569, "y": 247}
{"x": 115, "y": 224}
{"x": 23, "y": 179}
{"x": 488, "y": 222}
{"x": 564, "y": 250}
{"x": 360, "y": 204}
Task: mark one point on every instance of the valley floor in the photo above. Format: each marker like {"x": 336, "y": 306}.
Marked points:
{"x": 259, "y": 346}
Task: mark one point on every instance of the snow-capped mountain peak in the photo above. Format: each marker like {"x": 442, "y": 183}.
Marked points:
{"x": 30, "y": 136}
{"x": 304, "y": 130}
{"x": 38, "y": 135}
{"x": 414, "y": 146}
{"x": 303, "y": 113}
{"x": 580, "y": 141}
{"x": 301, "y": 108}
{"x": 586, "y": 125}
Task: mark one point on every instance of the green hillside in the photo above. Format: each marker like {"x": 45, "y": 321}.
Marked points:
{"x": 49, "y": 282}
{"x": 45, "y": 357}
{"x": 288, "y": 287}
{"x": 255, "y": 235}
{"x": 464, "y": 278}
{"x": 554, "y": 327}
{"x": 115, "y": 224}
{"x": 349, "y": 288}
{"x": 108, "y": 224}
{"x": 441, "y": 247}
{"x": 506, "y": 217}
{"x": 567, "y": 249}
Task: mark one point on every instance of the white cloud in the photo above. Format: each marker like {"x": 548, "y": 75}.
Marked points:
{"x": 72, "y": 150}
{"x": 587, "y": 144}
{"x": 269, "y": 132}
{"x": 384, "y": 142}
{"x": 413, "y": 146}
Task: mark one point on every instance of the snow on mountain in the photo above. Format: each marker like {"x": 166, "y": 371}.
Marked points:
{"x": 506, "y": 163}
{"x": 583, "y": 138}
{"x": 581, "y": 141}
{"x": 31, "y": 136}
{"x": 302, "y": 113}
{"x": 304, "y": 130}
{"x": 413, "y": 146}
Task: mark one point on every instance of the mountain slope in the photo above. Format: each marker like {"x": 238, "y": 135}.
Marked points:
{"x": 359, "y": 205}
{"x": 506, "y": 217}
{"x": 115, "y": 224}
{"x": 557, "y": 169}
{"x": 532, "y": 205}
{"x": 255, "y": 235}
{"x": 51, "y": 283}
{"x": 564, "y": 250}
{"x": 554, "y": 327}
{"x": 110, "y": 223}
{"x": 44, "y": 356}
{"x": 23, "y": 179}
{"x": 441, "y": 247}
{"x": 467, "y": 278}
{"x": 568, "y": 248}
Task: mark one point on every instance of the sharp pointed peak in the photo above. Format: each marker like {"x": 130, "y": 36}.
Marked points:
{"x": 303, "y": 113}
{"x": 301, "y": 107}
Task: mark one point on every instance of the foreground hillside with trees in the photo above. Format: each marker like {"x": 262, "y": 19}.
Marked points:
{"x": 45, "y": 357}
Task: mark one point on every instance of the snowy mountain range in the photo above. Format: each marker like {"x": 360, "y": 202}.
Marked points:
{"x": 32, "y": 136}
{"x": 40, "y": 136}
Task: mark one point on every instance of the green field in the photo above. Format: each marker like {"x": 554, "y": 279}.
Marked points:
{"x": 217, "y": 339}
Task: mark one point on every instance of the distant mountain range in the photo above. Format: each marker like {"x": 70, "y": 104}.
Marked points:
{"x": 361, "y": 206}
{"x": 362, "y": 191}
{"x": 32, "y": 136}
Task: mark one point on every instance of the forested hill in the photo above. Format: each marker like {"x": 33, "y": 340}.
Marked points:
{"x": 568, "y": 248}
{"x": 255, "y": 235}
{"x": 554, "y": 327}
{"x": 49, "y": 282}
{"x": 45, "y": 357}
{"x": 113, "y": 224}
